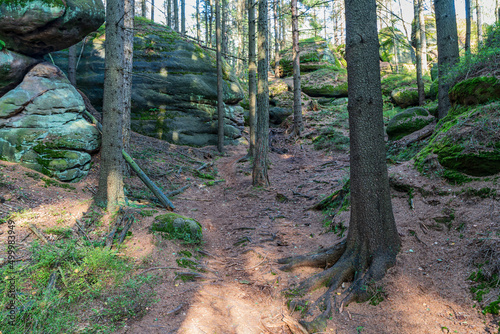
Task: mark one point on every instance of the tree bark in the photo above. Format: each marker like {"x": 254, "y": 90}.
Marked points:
{"x": 144, "y": 8}
{"x": 418, "y": 51}
{"x": 224, "y": 32}
{"x": 198, "y": 26}
{"x": 152, "y": 10}
{"x": 110, "y": 192}
{"x": 372, "y": 241}
{"x": 211, "y": 19}
{"x": 220, "y": 92}
{"x": 479, "y": 24}
{"x": 467, "y": 26}
{"x": 72, "y": 64}
{"x": 447, "y": 43}
{"x": 207, "y": 36}
{"x": 298, "y": 124}
{"x": 128, "y": 21}
{"x": 260, "y": 166}
{"x": 423, "y": 38}
{"x": 176, "y": 15}
{"x": 183, "y": 17}
{"x": 252, "y": 76}
{"x": 276, "y": 42}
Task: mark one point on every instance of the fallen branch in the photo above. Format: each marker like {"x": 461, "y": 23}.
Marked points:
{"x": 131, "y": 220}
{"x": 38, "y": 233}
{"x": 177, "y": 191}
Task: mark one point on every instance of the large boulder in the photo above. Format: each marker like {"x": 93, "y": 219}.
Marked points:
{"x": 407, "y": 122}
{"x": 315, "y": 54}
{"x": 175, "y": 226}
{"x": 476, "y": 90}
{"x": 325, "y": 83}
{"x": 13, "y": 67}
{"x": 174, "y": 85}
{"x": 405, "y": 97}
{"x": 38, "y": 27}
{"x": 41, "y": 125}
{"x": 467, "y": 142}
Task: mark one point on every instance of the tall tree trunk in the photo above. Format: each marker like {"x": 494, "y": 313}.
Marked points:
{"x": 110, "y": 191}
{"x": 298, "y": 125}
{"x": 167, "y": 5}
{"x": 183, "y": 17}
{"x": 72, "y": 64}
{"x": 447, "y": 43}
{"x": 220, "y": 92}
{"x": 211, "y": 21}
{"x": 467, "y": 26}
{"x": 372, "y": 241}
{"x": 276, "y": 42}
{"x": 224, "y": 31}
{"x": 260, "y": 166}
{"x": 176, "y": 15}
{"x": 418, "y": 52}
{"x": 207, "y": 35}
{"x": 144, "y": 9}
{"x": 198, "y": 26}
{"x": 153, "y": 10}
{"x": 423, "y": 38}
{"x": 128, "y": 21}
{"x": 479, "y": 24}
{"x": 241, "y": 34}
{"x": 252, "y": 76}
{"x": 283, "y": 25}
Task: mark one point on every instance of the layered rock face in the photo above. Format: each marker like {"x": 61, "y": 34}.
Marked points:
{"x": 174, "y": 83}
{"x": 41, "y": 123}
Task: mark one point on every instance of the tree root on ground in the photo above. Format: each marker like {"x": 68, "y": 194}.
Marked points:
{"x": 343, "y": 264}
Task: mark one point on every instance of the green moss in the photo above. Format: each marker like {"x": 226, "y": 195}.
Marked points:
{"x": 408, "y": 121}
{"x": 474, "y": 91}
{"x": 175, "y": 226}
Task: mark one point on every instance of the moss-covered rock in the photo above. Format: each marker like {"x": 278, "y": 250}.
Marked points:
{"x": 467, "y": 141}
{"x": 475, "y": 91}
{"x": 405, "y": 97}
{"x": 37, "y": 27}
{"x": 325, "y": 83}
{"x": 175, "y": 226}
{"x": 277, "y": 87}
{"x": 41, "y": 125}
{"x": 315, "y": 54}
{"x": 407, "y": 122}
{"x": 174, "y": 86}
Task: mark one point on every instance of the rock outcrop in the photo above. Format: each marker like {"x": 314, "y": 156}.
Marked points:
{"x": 475, "y": 91}
{"x": 408, "y": 121}
{"x": 37, "y": 27}
{"x": 467, "y": 141}
{"x": 41, "y": 125}
{"x": 325, "y": 83}
{"x": 174, "y": 94}
{"x": 13, "y": 67}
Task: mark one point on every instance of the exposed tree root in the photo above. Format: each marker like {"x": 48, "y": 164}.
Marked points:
{"x": 343, "y": 264}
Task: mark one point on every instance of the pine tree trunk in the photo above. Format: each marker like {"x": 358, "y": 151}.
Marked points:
{"x": 259, "y": 175}
{"x": 479, "y": 24}
{"x": 224, "y": 31}
{"x": 423, "y": 38}
{"x": 183, "y": 17}
{"x": 298, "y": 125}
{"x": 467, "y": 26}
{"x": 283, "y": 25}
{"x": 211, "y": 19}
{"x": 372, "y": 229}
{"x": 72, "y": 64}
{"x": 152, "y": 10}
{"x": 128, "y": 21}
{"x": 418, "y": 53}
{"x": 220, "y": 92}
{"x": 144, "y": 8}
{"x": 198, "y": 26}
{"x": 241, "y": 34}
{"x": 207, "y": 35}
{"x": 169, "y": 12}
{"x": 110, "y": 192}
{"x": 176, "y": 15}
{"x": 252, "y": 76}
{"x": 276, "y": 42}
{"x": 447, "y": 43}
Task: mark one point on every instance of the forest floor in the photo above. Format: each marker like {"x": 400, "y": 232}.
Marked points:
{"x": 445, "y": 230}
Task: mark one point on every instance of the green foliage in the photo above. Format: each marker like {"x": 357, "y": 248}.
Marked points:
{"x": 63, "y": 278}
{"x": 331, "y": 139}
{"x": 2, "y": 45}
